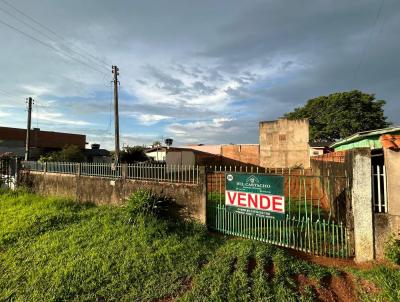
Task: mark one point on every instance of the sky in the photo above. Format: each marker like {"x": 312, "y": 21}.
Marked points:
{"x": 195, "y": 71}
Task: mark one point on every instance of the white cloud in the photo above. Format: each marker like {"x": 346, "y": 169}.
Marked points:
{"x": 58, "y": 118}
{"x": 150, "y": 119}
{"x": 4, "y": 114}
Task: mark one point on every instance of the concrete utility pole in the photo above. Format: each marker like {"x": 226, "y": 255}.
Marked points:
{"x": 28, "y": 129}
{"x": 116, "y": 115}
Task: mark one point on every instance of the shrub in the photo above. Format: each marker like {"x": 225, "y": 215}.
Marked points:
{"x": 392, "y": 250}
{"x": 146, "y": 203}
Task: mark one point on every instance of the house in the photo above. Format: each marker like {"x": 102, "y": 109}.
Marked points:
{"x": 384, "y": 146}
{"x": 366, "y": 139}
{"x": 97, "y": 155}
{"x": 41, "y": 142}
{"x": 319, "y": 148}
{"x": 157, "y": 154}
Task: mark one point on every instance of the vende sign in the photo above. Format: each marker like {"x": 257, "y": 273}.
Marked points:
{"x": 259, "y": 195}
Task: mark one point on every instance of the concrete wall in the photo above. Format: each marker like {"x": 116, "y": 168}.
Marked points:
{"x": 362, "y": 205}
{"x": 190, "y": 199}
{"x": 180, "y": 158}
{"x": 284, "y": 143}
{"x": 247, "y": 154}
{"x": 388, "y": 223}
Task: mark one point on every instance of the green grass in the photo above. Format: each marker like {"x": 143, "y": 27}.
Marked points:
{"x": 58, "y": 250}
{"x": 387, "y": 282}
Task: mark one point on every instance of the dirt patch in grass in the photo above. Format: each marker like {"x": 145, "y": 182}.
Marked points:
{"x": 251, "y": 265}
{"x": 331, "y": 289}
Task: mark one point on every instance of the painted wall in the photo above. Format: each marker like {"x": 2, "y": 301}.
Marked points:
{"x": 284, "y": 143}
{"x": 388, "y": 223}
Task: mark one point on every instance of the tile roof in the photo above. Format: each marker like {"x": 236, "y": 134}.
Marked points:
{"x": 390, "y": 141}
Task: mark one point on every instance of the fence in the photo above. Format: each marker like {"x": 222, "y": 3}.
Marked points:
{"x": 314, "y": 210}
{"x": 152, "y": 172}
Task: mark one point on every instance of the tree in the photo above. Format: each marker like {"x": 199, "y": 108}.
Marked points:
{"x": 156, "y": 144}
{"x": 133, "y": 154}
{"x": 341, "y": 114}
{"x": 69, "y": 153}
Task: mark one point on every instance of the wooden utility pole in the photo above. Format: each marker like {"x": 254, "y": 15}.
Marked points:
{"x": 116, "y": 115}
{"x": 28, "y": 129}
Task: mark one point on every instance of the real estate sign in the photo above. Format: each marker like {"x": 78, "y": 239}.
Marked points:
{"x": 255, "y": 194}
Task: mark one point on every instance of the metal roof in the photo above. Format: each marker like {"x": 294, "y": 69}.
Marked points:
{"x": 364, "y": 135}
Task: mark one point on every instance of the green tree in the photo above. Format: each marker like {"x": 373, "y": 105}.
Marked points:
{"x": 69, "y": 153}
{"x": 133, "y": 154}
{"x": 156, "y": 144}
{"x": 341, "y": 114}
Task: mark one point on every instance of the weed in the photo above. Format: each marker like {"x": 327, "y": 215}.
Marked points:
{"x": 392, "y": 250}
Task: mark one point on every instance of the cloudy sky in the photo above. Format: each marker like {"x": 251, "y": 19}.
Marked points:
{"x": 196, "y": 71}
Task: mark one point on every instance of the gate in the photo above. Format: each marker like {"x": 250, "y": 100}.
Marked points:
{"x": 315, "y": 212}
{"x": 8, "y": 171}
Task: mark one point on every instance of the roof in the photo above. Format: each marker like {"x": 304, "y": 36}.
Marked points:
{"x": 372, "y": 134}
{"x": 390, "y": 141}
{"x": 319, "y": 144}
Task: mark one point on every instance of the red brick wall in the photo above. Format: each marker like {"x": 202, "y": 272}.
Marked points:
{"x": 248, "y": 154}
{"x": 44, "y": 139}
{"x": 337, "y": 157}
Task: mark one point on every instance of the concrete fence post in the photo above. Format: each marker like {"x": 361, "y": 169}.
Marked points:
{"x": 203, "y": 184}
{"x": 78, "y": 169}
{"x": 124, "y": 170}
{"x": 362, "y": 205}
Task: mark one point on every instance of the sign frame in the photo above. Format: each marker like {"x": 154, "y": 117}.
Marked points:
{"x": 258, "y": 195}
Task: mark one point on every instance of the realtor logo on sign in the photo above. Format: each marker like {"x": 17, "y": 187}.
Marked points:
{"x": 257, "y": 195}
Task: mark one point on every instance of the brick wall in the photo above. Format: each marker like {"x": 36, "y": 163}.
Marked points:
{"x": 247, "y": 154}
{"x": 44, "y": 139}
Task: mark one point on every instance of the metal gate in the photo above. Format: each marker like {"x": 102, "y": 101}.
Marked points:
{"x": 8, "y": 171}
{"x": 315, "y": 212}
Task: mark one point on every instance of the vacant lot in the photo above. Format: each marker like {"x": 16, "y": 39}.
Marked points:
{"x": 58, "y": 250}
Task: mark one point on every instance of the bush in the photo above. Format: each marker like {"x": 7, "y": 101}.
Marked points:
{"x": 145, "y": 203}
{"x": 392, "y": 250}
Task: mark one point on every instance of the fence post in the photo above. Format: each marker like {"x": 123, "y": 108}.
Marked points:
{"x": 362, "y": 205}
{"x": 202, "y": 181}
{"x": 78, "y": 169}
{"x": 124, "y": 170}
{"x": 45, "y": 167}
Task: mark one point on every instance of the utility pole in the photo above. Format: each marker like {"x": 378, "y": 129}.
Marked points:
{"x": 28, "y": 129}
{"x": 116, "y": 115}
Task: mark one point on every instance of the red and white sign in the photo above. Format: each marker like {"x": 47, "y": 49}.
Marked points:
{"x": 264, "y": 202}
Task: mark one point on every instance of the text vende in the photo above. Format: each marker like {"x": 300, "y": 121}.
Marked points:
{"x": 273, "y": 203}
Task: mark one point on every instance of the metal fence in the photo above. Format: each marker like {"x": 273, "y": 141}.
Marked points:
{"x": 151, "y": 172}
{"x": 315, "y": 212}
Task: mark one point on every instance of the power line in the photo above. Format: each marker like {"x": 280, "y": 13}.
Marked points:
{"x": 58, "y": 36}
{"x": 30, "y": 26}
{"x": 49, "y": 46}
{"x": 365, "y": 49}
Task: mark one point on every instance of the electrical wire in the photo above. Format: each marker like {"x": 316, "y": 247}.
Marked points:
{"x": 46, "y": 35}
{"x": 100, "y": 62}
{"x": 49, "y": 46}
{"x": 366, "y": 47}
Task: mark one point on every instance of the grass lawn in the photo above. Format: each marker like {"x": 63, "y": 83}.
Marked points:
{"x": 58, "y": 250}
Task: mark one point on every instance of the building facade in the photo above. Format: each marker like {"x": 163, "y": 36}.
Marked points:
{"x": 284, "y": 143}
{"x": 41, "y": 142}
